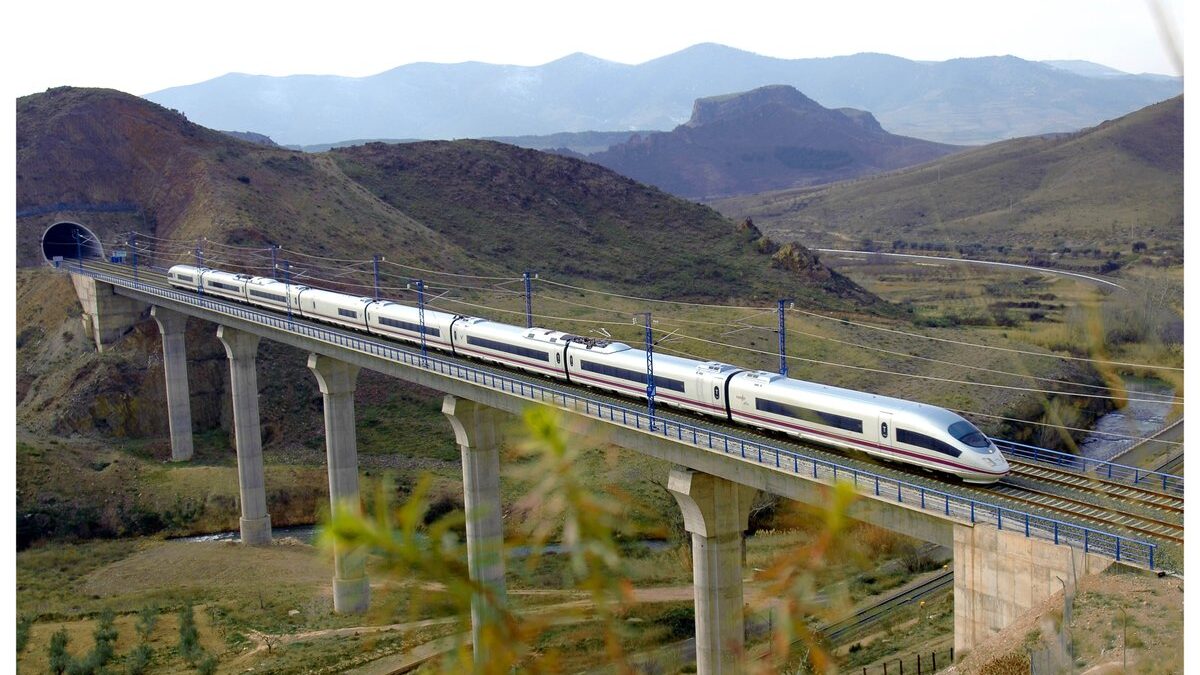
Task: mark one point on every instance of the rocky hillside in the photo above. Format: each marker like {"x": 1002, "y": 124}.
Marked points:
{"x": 765, "y": 139}
{"x": 1099, "y": 191}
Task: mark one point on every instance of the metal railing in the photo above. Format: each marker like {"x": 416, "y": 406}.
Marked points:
{"x": 1113, "y": 471}
{"x": 1120, "y": 548}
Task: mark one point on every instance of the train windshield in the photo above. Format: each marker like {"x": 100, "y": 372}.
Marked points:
{"x": 966, "y": 433}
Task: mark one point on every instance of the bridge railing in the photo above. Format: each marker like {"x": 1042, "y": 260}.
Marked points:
{"x": 1107, "y": 470}
{"x": 927, "y": 499}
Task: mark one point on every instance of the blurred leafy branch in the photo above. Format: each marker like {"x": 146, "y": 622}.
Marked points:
{"x": 431, "y": 556}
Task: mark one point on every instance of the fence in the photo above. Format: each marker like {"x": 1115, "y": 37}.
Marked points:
{"x": 948, "y": 505}
{"x": 918, "y": 663}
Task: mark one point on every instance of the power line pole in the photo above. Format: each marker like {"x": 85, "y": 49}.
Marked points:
{"x": 650, "y": 389}
{"x": 783, "y": 367}
{"x": 375, "y": 265}
{"x": 528, "y": 301}
{"x": 421, "y": 317}
{"x": 287, "y": 288}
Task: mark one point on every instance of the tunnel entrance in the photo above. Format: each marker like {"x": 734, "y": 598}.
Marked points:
{"x": 59, "y": 240}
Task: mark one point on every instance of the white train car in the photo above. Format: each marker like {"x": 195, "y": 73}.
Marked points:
{"x": 335, "y": 308}
{"x": 890, "y": 428}
{"x": 273, "y": 294}
{"x": 679, "y": 382}
{"x": 186, "y": 276}
{"x": 391, "y": 319}
{"x": 225, "y": 284}
{"x": 536, "y": 350}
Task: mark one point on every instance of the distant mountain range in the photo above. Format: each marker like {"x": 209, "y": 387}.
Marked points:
{"x": 1090, "y": 196}
{"x": 975, "y": 100}
{"x": 769, "y": 138}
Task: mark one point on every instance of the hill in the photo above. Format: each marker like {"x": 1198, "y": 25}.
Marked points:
{"x": 121, "y": 163}
{"x": 962, "y": 101}
{"x": 1097, "y": 192}
{"x": 572, "y": 219}
{"x": 769, "y": 138}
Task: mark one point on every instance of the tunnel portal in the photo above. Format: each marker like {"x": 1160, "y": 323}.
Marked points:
{"x": 60, "y": 240}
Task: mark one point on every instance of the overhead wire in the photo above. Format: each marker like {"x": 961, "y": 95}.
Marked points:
{"x": 982, "y": 346}
{"x": 669, "y": 319}
{"x": 260, "y": 252}
{"x": 862, "y": 325}
{"x": 914, "y": 375}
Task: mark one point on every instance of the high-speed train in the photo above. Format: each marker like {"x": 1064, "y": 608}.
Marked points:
{"x": 893, "y": 429}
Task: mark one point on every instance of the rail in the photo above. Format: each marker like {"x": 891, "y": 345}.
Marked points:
{"x": 886, "y": 488}
{"x": 1109, "y": 470}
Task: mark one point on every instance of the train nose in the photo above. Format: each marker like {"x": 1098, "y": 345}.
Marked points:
{"x": 997, "y": 461}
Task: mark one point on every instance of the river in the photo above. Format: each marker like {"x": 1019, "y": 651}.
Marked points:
{"x": 1138, "y": 419}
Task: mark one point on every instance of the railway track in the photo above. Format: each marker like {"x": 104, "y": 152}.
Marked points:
{"x": 1094, "y": 514}
{"x": 1070, "y": 506}
{"x": 844, "y": 630}
{"x": 1170, "y": 503}
{"x": 1172, "y": 464}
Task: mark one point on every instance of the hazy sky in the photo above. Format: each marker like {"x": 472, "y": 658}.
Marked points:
{"x": 139, "y": 47}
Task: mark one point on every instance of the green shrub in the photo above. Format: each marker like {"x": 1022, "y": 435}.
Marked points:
{"x": 147, "y": 619}
{"x": 189, "y": 638}
{"x": 138, "y": 660}
{"x": 60, "y": 660}
{"x": 24, "y": 623}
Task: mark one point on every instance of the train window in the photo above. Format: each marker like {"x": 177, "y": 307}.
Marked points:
{"x": 927, "y": 442}
{"x": 347, "y": 313}
{"x": 717, "y": 393}
{"x": 184, "y": 277}
{"x": 968, "y": 434}
{"x": 631, "y": 375}
{"x": 408, "y": 325}
{"x": 571, "y": 359}
{"x": 557, "y": 357}
{"x": 224, "y": 287}
{"x": 267, "y": 296}
{"x": 511, "y": 349}
{"x": 814, "y": 416}
{"x": 883, "y": 430}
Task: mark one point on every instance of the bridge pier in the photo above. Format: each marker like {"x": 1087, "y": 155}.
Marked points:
{"x": 338, "y": 380}
{"x": 106, "y": 315}
{"x": 716, "y": 512}
{"x": 242, "y": 350}
{"x": 999, "y": 575}
{"x": 179, "y": 405}
{"x": 477, "y": 432}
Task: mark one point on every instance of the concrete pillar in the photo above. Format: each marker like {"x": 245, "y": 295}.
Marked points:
{"x": 179, "y": 405}
{"x": 242, "y": 348}
{"x": 716, "y": 512}
{"x": 477, "y": 432}
{"x": 337, "y": 379}
{"x": 998, "y": 575}
{"x": 106, "y": 315}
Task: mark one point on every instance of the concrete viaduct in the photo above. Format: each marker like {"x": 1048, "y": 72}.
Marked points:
{"x": 1001, "y": 567}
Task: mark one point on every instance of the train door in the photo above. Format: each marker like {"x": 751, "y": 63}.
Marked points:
{"x": 886, "y": 432}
